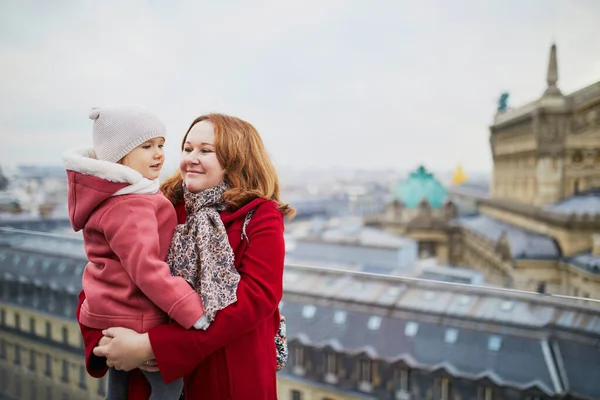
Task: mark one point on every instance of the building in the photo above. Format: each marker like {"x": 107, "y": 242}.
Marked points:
{"x": 421, "y": 211}
{"x": 535, "y": 227}
{"x": 354, "y": 335}
{"x": 345, "y": 243}
{"x": 41, "y": 350}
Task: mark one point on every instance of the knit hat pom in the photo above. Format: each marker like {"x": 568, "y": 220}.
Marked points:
{"x": 94, "y": 113}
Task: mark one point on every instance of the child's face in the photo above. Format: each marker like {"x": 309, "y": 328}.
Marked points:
{"x": 147, "y": 158}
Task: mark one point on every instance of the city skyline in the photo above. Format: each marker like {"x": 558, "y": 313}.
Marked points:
{"x": 349, "y": 85}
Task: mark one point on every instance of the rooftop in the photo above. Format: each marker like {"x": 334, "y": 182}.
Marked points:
{"x": 522, "y": 243}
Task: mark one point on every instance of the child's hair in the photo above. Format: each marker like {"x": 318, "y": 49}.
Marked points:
{"x": 248, "y": 168}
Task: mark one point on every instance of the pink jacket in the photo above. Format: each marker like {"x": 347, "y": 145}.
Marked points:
{"x": 127, "y": 227}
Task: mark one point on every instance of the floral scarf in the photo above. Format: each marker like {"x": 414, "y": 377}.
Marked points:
{"x": 200, "y": 252}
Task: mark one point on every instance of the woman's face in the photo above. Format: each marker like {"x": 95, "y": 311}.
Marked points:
{"x": 199, "y": 166}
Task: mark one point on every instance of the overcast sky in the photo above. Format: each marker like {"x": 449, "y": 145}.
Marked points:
{"x": 328, "y": 83}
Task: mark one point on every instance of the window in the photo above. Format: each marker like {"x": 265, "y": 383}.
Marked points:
{"x": 3, "y": 317}
{"x": 507, "y": 305}
{"x": 65, "y": 371}
{"x": 365, "y": 370}
{"x": 308, "y": 311}
{"x": 17, "y": 354}
{"x": 299, "y": 356}
{"x": 331, "y": 363}
{"x": 443, "y": 389}
{"x": 52, "y": 302}
{"x": 485, "y": 393}
{"x": 48, "y": 330}
{"x": 65, "y": 335}
{"x": 62, "y": 267}
{"x": 429, "y": 295}
{"x": 32, "y": 325}
{"x": 411, "y": 328}
{"x": 339, "y": 317}
{"x": 374, "y": 322}
{"x": 464, "y": 300}
{"x": 2, "y": 349}
{"x": 451, "y": 335}
{"x": 494, "y": 343}
{"x": 296, "y": 395}
{"x": 17, "y": 321}
{"x": 82, "y": 377}
{"x": 48, "y": 370}
{"x": 402, "y": 377}
{"x": 102, "y": 386}
{"x": 32, "y": 360}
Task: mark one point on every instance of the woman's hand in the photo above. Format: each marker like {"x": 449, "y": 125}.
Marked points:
{"x": 125, "y": 349}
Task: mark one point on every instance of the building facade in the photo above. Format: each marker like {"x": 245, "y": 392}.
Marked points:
{"x": 535, "y": 227}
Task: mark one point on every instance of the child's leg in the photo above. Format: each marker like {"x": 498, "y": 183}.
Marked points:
{"x": 161, "y": 390}
{"x": 118, "y": 384}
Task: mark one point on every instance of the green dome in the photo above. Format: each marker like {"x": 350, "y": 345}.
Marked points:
{"x": 421, "y": 185}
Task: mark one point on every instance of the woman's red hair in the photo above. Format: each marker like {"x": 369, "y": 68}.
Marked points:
{"x": 248, "y": 168}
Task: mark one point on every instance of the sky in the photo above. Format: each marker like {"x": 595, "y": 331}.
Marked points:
{"x": 328, "y": 84}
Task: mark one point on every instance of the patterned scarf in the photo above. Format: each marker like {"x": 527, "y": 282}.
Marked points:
{"x": 200, "y": 252}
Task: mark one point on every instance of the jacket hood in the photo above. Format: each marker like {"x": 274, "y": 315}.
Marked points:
{"x": 92, "y": 181}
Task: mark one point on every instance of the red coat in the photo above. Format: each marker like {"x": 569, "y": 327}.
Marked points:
{"x": 235, "y": 357}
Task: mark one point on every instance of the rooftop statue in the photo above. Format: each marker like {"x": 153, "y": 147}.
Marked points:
{"x": 503, "y": 102}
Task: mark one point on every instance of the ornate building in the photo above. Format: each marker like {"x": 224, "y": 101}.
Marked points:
{"x": 535, "y": 229}
{"x": 419, "y": 211}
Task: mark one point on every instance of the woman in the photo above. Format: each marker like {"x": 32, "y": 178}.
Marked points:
{"x": 235, "y": 357}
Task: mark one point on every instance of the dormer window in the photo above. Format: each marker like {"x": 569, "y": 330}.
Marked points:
{"x": 308, "y": 311}
{"x": 365, "y": 375}
{"x": 402, "y": 386}
{"x": 331, "y": 360}
{"x": 299, "y": 359}
{"x": 339, "y": 317}
{"x": 374, "y": 322}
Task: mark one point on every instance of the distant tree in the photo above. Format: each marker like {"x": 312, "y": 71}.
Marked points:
{"x": 3, "y": 181}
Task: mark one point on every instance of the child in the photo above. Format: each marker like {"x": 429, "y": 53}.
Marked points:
{"x": 127, "y": 227}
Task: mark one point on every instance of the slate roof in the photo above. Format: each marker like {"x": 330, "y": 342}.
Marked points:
{"x": 586, "y": 261}
{"x": 523, "y": 243}
{"x": 44, "y": 259}
{"x": 471, "y": 189}
{"x": 520, "y": 362}
{"x": 583, "y": 203}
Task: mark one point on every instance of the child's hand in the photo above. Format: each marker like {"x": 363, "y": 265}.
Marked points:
{"x": 202, "y": 323}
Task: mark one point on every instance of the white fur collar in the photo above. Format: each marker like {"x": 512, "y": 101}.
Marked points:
{"x": 84, "y": 161}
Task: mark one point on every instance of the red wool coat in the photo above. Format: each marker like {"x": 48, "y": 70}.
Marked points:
{"x": 235, "y": 357}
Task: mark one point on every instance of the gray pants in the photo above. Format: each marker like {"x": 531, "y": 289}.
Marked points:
{"x": 118, "y": 383}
